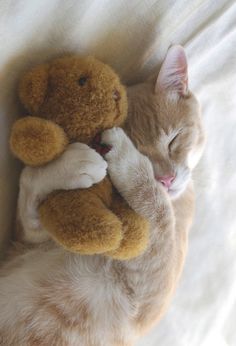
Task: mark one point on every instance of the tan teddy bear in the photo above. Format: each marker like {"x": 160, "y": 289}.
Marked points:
{"x": 73, "y": 99}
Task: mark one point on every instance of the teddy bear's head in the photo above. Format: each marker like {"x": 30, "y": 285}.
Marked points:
{"x": 82, "y": 95}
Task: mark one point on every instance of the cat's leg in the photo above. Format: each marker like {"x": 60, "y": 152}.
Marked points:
{"x": 132, "y": 174}
{"x": 78, "y": 167}
{"x": 152, "y": 276}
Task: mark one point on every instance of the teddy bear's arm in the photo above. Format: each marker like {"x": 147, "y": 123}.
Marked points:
{"x": 36, "y": 141}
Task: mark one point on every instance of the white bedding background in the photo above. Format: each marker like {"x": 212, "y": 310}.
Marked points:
{"x": 133, "y": 36}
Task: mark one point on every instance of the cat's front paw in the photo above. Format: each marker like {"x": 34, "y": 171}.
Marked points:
{"x": 118, "y": 141}
{"x": 123, "y": 158}
{"x": 127, "y": 167}
{"x": 80, "y": 167}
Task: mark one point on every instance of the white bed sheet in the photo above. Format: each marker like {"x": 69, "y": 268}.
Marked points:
{"x": 133, "y": 37}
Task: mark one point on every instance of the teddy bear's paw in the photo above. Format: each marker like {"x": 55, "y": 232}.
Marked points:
{"x": 79, "y": 167}
{"x": 132, "y": 245}
{"x": 80, "y": 222}
{"x": 135, "y": 232}
{"x": 37, "y": 141}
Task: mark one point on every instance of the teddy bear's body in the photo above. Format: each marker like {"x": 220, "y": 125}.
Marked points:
{"x": 73, "y": 99}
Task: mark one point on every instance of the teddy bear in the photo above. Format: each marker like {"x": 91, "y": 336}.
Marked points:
{"x": 73, "y": 99}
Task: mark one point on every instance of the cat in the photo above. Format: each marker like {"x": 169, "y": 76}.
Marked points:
{"x": 51, "y": 297}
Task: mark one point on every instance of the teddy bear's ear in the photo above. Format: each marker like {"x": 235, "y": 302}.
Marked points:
{"x": 33, "y": 87}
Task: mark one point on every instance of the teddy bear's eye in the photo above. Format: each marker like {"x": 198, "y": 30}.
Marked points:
{"x": 82, "y": 80}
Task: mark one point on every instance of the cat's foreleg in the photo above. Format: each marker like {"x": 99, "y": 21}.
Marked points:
{"x": 132, "y": 174}
{"x": 150, "y": 275}
{"x": 78, "y": 167}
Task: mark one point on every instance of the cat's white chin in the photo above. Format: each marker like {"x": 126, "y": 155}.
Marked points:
{"x": 180, "y": 183}
{"x": 175, "y": 193}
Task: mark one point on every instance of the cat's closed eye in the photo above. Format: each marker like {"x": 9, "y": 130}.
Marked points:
{"x": 172, "y": 142}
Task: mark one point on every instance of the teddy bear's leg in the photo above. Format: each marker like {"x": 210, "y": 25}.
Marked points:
{"x": 135, "y": 231}
{"x": 80, "y": 221}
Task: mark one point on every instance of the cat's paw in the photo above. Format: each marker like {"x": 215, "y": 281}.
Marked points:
{"x": 118, "y": 141}
{"x": 79, "y": 167}
{"x": 124, "y": 160}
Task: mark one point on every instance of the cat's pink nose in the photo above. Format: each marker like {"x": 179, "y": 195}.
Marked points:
{"x": 166, "y": 180}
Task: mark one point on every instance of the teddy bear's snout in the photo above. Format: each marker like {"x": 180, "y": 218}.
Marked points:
{"x": 116, "y": 95}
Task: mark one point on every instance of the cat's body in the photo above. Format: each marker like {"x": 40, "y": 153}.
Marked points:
{"x": 51, "y": 297}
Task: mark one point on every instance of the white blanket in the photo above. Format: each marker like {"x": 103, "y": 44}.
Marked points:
{"x": 133, "y": 36}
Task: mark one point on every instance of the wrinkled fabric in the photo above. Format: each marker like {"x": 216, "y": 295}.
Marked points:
{"x": 133, "y": 36}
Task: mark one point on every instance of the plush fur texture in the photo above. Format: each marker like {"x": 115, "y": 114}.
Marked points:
{"x": 74, "y": 99}
{"x": 52, "y": 297}
{"x": 32, "y": 133}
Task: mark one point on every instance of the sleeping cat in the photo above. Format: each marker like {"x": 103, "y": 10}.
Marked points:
{"x": 51, "y": 297}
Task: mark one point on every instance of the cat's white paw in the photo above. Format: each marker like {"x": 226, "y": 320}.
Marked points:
{"x": 79, "y": 167}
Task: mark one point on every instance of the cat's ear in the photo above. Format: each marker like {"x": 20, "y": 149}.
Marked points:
{"x": 173, "y": 75}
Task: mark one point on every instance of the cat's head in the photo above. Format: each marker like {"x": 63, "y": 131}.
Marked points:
{"x": 164, "y": 122}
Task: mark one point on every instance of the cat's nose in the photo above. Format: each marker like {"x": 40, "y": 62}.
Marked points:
{"x": 166, "y": 180}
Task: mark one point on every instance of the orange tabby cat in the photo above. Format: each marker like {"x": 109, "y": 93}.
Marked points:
{"x": 51, "y": 297}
